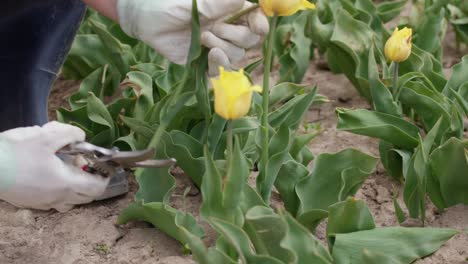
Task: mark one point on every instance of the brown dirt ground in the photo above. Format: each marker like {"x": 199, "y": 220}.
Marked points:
{"x": 88, "y": 234}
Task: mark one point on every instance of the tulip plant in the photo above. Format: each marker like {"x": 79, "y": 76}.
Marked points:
{"x": 421, "y": 114}
{"x": 133, "y": 98}
{"x": 458, "y": 17}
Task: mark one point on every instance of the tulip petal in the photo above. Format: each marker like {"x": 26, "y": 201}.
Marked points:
{"x": 233, "y": 94}
{"x": 398, "y": 46}
{"x": 284, "y": 7}
{"x": 307, "y": 5}
{"x": 241, "y": 105}
{"x": 267, "y": 8}
{"x": 257, "y": 88}
{"x": 221, "y": 100}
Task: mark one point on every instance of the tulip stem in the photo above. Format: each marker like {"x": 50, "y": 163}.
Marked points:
{"x": 237, "y": 16}
{"x": 164, "y": 124}
{"x": 154, "y": 143}
{"x": 395, "y": 80}
{"x": 266, "y": 106}
{"x": 229, "y": 142}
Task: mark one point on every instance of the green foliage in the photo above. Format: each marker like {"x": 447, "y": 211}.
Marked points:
{"x": 416, "y": 176}
{"x": 436, "y": 113}
{"x": 417, "y": 116}
{"x": 132, "y": 98}
{"x": 268, "y": 237}
{"x": 346, "y": 30}
{"x": 280, "y": 144}
{"x": 161, "y": 216}
{"x": 347, "y": 217}
{"x": 293, "y": 48}
{"x": 334, "y": 178}
{"x": 354, "y": 238}
{"x": 379, "y": 125}
{"x": 447, "y": 182}
{"x": 394, "y": 244}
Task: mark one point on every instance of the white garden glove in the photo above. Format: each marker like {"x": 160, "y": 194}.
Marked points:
{"x": 165, "y": 25}
{"x": 32, "y": 176}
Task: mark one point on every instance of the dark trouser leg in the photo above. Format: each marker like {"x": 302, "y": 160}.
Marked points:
{"x": 35, "y": 37}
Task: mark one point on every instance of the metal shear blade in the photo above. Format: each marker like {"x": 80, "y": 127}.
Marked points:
{"x": 138, "y": 159}
{"x": 123, "y": 159}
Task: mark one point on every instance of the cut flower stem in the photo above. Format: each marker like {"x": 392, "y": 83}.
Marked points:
{"x": 235, "y": 17}
{"x": 229, "y": 142}
{"x": 395, "y": 79}
{"x": 266, "y": 105}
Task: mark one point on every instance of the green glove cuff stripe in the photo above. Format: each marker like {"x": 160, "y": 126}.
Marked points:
{"x": 7, "y": 166}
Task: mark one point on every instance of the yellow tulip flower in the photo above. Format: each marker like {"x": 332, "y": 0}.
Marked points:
{"x": 284, "y": 7}
{"x": 233, "y": 94}
{"x": 398, "y": 46}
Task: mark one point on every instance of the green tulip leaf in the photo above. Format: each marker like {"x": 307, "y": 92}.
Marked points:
{"x": 119, "y": 54}
{"x": 390, "y": 9}
{"x": 292, "y": 113}
{"x": 104, "y": 81}
{"x": 240, "y": 241}
{"x": 300, "y": 147}
{"x": 188, "y": 152}
{"x": 392, "y": 129}
{"x": 459, "y": 77}
{"x": 295, "y": 54}
{"x": 305, "y": 247}
{"x": 285, "y": 91}
{"x": 78, "y": 117}
{"x": 139, "y": 127}
{"x": 215, "y": 132}
{"x": 381, "y": 95}
{"x": 448, "y": 180}
{"x": 430, "y": 111}
{"x": 416, "y": 179}
{"x": 163, "y": 217}
{"x": 347, "y": 217}
{"x": 155, "y": 185}
{"x": 279, "y": 147}
{"x": 142, "y": 85}
{"x": 334, "y": 178}
{"x": 394, "y": 160}
{"x": 85, "y": 56}
{"x": 200, "y": 253}
{"x": 399, "y": 245}
{"x": 266, "y": 229}
{"x": 429, "y": 31}
{"x": 236, "y": 177}
{"x": 289, "y": 176}
{"x": 98, "y": 113}
{"x": 212, "y": 190}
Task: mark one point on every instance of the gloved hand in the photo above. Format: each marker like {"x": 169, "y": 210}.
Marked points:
{"x": 166, "y": 26}
{"x": 32, "y": 176}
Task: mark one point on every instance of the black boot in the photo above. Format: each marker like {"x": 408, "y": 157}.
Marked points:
{"x": 35, "y": 37}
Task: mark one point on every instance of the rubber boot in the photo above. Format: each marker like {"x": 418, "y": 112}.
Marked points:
{"x": 35, "y": 37}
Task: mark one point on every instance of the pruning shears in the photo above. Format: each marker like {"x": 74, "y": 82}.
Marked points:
{"x": 109, "y": 162}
